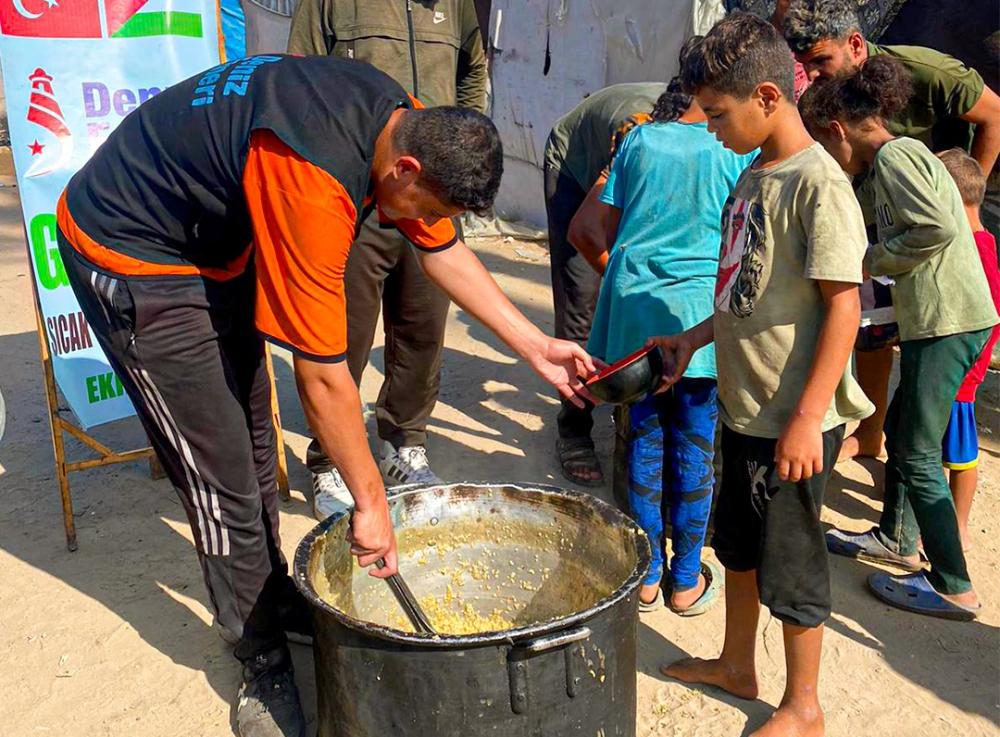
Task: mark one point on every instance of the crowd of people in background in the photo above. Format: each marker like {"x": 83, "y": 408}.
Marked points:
{"x": 729, "y": 217}
{"x": 793, "y": 183}
{"x": 821, "y": 178}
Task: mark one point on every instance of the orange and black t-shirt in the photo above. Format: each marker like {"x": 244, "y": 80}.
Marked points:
{"x": 269, "y": 155}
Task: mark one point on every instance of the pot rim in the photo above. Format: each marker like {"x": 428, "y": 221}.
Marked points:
{"x": 300, "y": 574}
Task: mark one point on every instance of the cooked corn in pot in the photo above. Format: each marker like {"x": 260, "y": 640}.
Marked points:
{"x": 532, "y": 592}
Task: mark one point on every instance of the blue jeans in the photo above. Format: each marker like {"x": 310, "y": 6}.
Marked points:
{"x": 670, "y": 454}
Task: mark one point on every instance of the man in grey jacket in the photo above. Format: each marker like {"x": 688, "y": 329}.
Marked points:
{"x": 434, "y": 49}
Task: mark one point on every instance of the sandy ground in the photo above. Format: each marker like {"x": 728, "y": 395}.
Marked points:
{"x": 115, "y": 639}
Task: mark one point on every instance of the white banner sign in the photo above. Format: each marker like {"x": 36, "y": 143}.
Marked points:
{"x": 73, "y": 69}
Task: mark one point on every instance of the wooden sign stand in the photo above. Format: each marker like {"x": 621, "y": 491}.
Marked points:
{"x": 105, "y": 455}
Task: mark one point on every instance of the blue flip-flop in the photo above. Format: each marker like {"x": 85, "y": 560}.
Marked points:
{"x": 708, "y": 598}
{"x": 866, "y": 546}
{"x": 914, "y": 593}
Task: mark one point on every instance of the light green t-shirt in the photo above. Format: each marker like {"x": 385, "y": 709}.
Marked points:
{"x": 783, "y": 228}
{"x": 581, "y": 140}
{"x": 926, "y": 245}
{"x": 943, "y": 89}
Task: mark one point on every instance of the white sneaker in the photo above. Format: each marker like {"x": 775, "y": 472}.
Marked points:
{"x": 408, "y": 465}
{"x": 330, "y": 494}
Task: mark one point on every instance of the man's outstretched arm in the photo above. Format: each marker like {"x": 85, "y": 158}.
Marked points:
{"x": 463, "y": 277}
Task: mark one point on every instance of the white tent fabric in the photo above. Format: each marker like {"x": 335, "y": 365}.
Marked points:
{"x": 548, "y": 55}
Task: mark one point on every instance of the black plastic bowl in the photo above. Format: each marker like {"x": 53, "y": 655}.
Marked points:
{"x": 632, "y": 378}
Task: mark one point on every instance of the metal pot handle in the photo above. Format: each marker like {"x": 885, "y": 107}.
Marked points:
{"x": 550, "y": 642}
{"x": 517, "y": 664}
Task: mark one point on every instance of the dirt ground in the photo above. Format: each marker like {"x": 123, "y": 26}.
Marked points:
{"x": 115, "y": 639}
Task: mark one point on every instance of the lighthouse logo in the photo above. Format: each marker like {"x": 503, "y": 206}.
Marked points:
{"x": 52, "y": 142}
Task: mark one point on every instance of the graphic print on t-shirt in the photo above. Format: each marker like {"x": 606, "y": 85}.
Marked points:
{"x": 741, "y": 263}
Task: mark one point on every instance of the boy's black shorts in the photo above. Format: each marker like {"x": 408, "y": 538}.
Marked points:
{"x": 772, "y": 526}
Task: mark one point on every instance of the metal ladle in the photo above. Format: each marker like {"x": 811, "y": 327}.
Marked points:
{"x": 407, "y": 601}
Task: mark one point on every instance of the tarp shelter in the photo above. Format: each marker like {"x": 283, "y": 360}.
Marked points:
{"x": 548, "y": 55}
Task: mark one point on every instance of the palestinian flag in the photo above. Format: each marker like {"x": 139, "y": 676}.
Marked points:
{"x": 97, "y": 19}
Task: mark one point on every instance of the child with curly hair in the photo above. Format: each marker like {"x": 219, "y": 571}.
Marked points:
{"x": 945, "y": 313}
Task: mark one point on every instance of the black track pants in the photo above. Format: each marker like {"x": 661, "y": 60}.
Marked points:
{"x": 187, "y": 353}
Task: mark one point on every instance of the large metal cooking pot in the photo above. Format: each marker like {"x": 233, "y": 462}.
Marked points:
{"x": 563, "y": 566}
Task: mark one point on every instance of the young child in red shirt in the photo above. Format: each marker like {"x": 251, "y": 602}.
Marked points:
{"x": 961, "y": 442}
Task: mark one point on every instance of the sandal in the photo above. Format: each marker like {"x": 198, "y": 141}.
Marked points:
{"x": 866, "y": 546}
{"x": 709, "y": 597}
{"x": 578, "y": 454}
{"x": 914, "y": 593}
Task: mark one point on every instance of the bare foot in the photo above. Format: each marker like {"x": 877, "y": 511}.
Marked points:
{"x": 583, "y": 472}
{"x": 969, "y": 599}
{"x": 649, "y": 592}
{"x": 685, "y": 599}
{"x": 793, "y": 720}
{"x": 738, "y": 682}
{"x": 854, "y": 447}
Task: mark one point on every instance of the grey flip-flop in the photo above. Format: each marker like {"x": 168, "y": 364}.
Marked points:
{"x": 866, "y": 546}
{"x": 709, "y": 597}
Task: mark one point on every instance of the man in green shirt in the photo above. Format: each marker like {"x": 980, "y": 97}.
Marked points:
{"x": 435, "y": 51}
{"x": 577, "y": 155}
{"x": 949, "y": 99}
{"x": 951, "y": 107}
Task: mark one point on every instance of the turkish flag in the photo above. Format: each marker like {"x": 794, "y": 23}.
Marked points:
{"x": 50, "y": 18}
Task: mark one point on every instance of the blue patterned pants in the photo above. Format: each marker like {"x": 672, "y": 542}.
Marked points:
{"x": 670, "y": 471}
